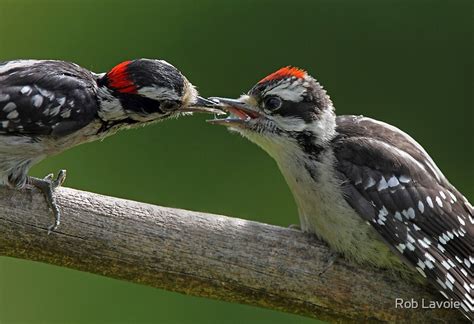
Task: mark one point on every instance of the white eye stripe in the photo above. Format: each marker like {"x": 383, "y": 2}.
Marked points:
{"x": 158, "y": 93}
{"x": 292, "y": 91}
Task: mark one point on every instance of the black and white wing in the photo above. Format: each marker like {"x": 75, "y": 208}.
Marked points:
{"x": 393, "y": 184}
{"x": 45, "y": 97}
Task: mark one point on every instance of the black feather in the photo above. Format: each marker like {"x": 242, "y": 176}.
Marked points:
{"x": 433, "y": 231}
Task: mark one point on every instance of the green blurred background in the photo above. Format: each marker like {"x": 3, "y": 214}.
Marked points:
{"x": 408, "y": 63}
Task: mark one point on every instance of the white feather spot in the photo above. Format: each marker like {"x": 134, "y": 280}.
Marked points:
{"x": 429, "y": 201}
{"x": 404, "y": 179}
{"x": 370, "y": 183}
{"x": 441, "y": 193}
{"x": 421, "y": 264}
{"x": 421, "y": 207}
{"x": 471, "y": 300}
{"x": 12, "y": 114}
{"x": 423, "y": 244}
{"x": 409, "y": 213}
{"x": 398, "y": 216}
{"x": 26, "y": 90}
{"x": 441, "y": 248}
{"x": 66, "y": 113}
{"x": 438, "y": 201}
{"x": 453, "y": 197}
{"x": 401, "y": 247}
{"x": 5, "y": 123}
{"x": 466, "y": 286}
{"x": 382, "y": 184}
{"x": 4, "y": 97}
{"x": 467, "y": 263}
{"x": 54, "y": 111}
{"x": 446, "y": 237}
{"x": 441, "y": 283}
{"x": 393, "y": 182}
{"x": 429, "y": 264}
{"x": 37, "y": 100}
{"x": 421, "y": 271}
{"x": 449, "y": 277}
{"x": 9, "y": 107}
{"x": 461, "y": 221}
{"x": 429, "y": 257}
{"x": 445, "y": 264}
{"x": 410, "y": 246}
{"x": 45, "y": 93}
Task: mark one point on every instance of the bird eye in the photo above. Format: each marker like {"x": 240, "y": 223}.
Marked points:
{"x": 167, "y": 105}
{"x": 272, "y": 103}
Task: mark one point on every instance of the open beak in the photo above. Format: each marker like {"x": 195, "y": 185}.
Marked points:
{"x": 203, "y": 105}
{"x": 239, "y": 112}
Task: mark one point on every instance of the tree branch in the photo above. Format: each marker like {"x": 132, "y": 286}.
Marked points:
{"x": 205, "y": 255}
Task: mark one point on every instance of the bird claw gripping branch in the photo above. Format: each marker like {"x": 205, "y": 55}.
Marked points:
{"x": 47, "y": 186}
{"x": 365, "y": 187}
{"x": 47, "y": 107}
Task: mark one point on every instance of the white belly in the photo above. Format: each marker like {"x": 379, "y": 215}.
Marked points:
{"x": 324, "y": 211}
{"x": 19, "y": 153}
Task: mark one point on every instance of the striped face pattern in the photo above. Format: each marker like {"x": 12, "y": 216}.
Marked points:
{"x": 364, "y": 179}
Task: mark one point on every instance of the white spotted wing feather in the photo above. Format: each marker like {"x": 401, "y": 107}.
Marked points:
{"x": 393, "y": 184}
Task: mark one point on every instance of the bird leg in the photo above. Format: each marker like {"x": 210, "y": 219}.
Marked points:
{"x": 47, "y": 187}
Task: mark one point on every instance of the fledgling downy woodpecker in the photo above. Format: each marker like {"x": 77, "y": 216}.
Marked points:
{"x": 49, "y": 106}
{"x": 363, "y": 186}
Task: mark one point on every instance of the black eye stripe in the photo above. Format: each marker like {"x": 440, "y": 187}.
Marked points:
{"x": 302, "y": 110}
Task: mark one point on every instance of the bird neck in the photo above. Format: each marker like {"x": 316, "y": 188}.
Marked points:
{"x": 110, "y": 106}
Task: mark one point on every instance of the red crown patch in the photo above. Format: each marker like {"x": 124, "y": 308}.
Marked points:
{"x": 285, "y": 72}
{"x": 120, "y": 80}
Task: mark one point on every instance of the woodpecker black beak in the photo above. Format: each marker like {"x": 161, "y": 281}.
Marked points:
{"x": 240, "y": 112}
{"x": 203, "y": 105}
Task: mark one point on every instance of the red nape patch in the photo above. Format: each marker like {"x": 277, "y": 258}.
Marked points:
{"x": 286, "y": 72}
{"x": 120, "y": 80}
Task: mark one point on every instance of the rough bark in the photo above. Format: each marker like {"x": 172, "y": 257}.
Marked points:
{"x": 205, "y": 255}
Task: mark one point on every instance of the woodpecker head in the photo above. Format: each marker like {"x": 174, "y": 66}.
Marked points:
{"x": 146, "y": 90}
{"x": 286, "y": 107}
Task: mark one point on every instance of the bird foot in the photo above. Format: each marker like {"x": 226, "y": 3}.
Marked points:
{"x": 47, "y": 185}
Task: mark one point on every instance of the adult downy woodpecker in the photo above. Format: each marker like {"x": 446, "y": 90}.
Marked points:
{"x": 49, "y": 106}
{"x": 365, "y": 187}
